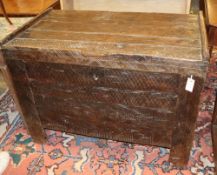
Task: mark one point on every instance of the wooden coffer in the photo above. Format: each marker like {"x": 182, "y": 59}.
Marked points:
{"x": 113, "y": 75}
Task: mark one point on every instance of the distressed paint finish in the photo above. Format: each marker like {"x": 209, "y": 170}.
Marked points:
{"x": 112, "y": 75}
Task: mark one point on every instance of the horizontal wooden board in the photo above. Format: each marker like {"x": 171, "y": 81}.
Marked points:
{"x": 100, "y": 110}
{"x": 125, "y": 137}
{"x": 111, "y": 96}
{"x": 74, "y": 75}
{"x": 125, "y": 27}
{"x": 118, "y": 61}
{"x": 111, "y": 38}
{"x": 189, "y": 25}
{"x": 103, "y": 49}
{"x": 115, "y": 122}
{"x": 111, "y": 131}
{"x": 77, "y": 15}
{"x": 109, "y": 33}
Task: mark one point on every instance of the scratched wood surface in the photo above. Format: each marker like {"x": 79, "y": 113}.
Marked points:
{"x": 111, "y": 75}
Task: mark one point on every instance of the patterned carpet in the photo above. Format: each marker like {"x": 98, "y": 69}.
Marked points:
{"x": 67, "y": 154}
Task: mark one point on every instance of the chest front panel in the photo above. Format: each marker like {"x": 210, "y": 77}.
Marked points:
{"x": 124, "y": 105}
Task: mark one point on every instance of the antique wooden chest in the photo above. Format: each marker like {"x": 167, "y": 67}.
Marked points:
{"x": 132, "y": 77}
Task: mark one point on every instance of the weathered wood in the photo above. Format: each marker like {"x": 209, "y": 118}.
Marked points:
{"x": 113, "y": 96}
{"x": 114, "y": 61}
{"x": 139, "y": 39}
{"x": 88, "y": 116}
{"x": 187, "y": 110}
{"x": 25, "y": 104}
{"x": 118, "y": 76}
{"x": 74, "y": 75}
{"x": 106, "y": 22}
{"x": 121, "y": 27}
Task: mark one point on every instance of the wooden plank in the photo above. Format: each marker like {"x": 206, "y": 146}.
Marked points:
{"x": 25, "y": 104}
{"x": 114, "y": 61}
{"x": 123, "y": 15}
{"x": 138, "y": 19}
{"x": 114, "y": 27}
{"x": 112, "y": 96}
{"x": 187, "y": 111}
{"x": 109, "y": 38}
{"x": 84, "y": 76}
{"x": 103, "y": 49}
{"x": 100, "y": 118}
{"x": 118, "y": 111}
{"x": 95, "y": 123}
{"x": 106, "y": 134}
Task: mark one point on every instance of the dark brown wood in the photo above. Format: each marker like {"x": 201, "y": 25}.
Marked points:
{"x": 214, "y": 133}
{"x": 111, "y": 75}
{"x": 26, "y": 106}
{"x": 183, "y": 133}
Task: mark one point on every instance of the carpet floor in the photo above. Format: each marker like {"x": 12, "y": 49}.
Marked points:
{"x": 68, "y": 154}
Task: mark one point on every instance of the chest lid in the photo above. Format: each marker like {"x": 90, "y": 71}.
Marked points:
{"x": 150, "y": 38}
